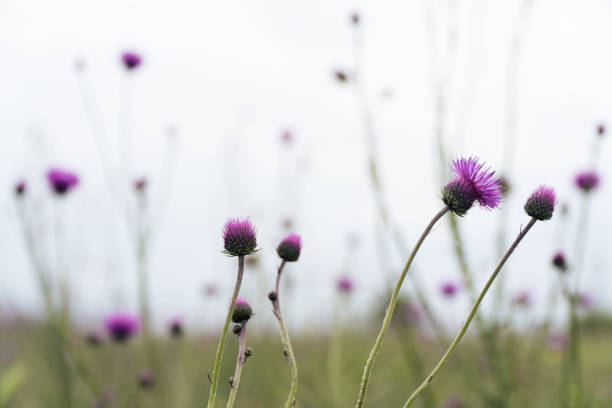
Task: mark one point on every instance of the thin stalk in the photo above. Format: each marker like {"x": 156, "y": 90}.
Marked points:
{"x": 239, "y": 363}
{"x": 465, "y": 326}
{"x": 390, "y": 309}
{"x": 284, "y": 333}
{"x": 214, "y": 380}
{"x": 334, "y": 358}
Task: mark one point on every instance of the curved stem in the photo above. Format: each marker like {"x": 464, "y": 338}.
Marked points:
{"x": 288, "y": 349}
{"x": 389, "y": 313}
{"x": 465, "y": 326}
{"x": 241, "y": 359}
{"x": 214, "y": 380}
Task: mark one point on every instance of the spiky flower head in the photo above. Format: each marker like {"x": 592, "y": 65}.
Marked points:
{"x": 541, "y": 203}
{"x": 559, "y": 261}
{"x": 131, "y": 60}
{"x": 290, "y": 247}
{"x": 472, "y": 182}
{"x": 587, "y": 181}
{"x": 62, "y": 181}
{"x": 239, "y": 237}
{"x": 121, "y": 326}
{"x": 345, "y": 284}
{"x": 449, "y": 289}
{"x": 242, "y": 311}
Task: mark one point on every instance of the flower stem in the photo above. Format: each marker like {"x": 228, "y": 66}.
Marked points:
{"x": 288, "y": 349}
{"x": 465, "y": 326}
{"x": 239, "y": 363}
{"x": 214, "y": 381}
{"x": 389, "y": 313}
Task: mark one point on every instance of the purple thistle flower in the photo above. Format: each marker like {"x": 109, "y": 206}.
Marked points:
{"x": 239, "y": 237}
{"x": 121, "y": 326}
{"x": 587, "y": 181}
{"x": 340, "y": 76}
{"x": 523, "y": 299}
{"x": 145, "y": 379}
{"x": 355, "y": 18}
{"x": 601, "y": 129}
{"x": 541, "y": 203}
{"x": 242, "y": 311}
{"x": 585, "y": 300}
{"x": 210, "y": 290}
{"x": 559, "y": 261}
{"x": 290, "y": 247}
{"x": 287, "y": 136}
{"x": 472, "y": 182}
{"x": 176, "y": 327}
{"x": 20, "y": 188}
{"x": 345, "y": 284}
{"x": 131, "y": 60}
{"x": 449, "y": 289}
{"x": 62, "y": 181}
{"x": 140, "y": 184}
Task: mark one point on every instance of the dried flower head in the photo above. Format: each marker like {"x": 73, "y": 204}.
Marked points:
{"x": 131, "y": 60}
{"x": 242, "y": 311}
{"x": 239, "y": 237}
{"x": 121, "y": 326}
{"x": 541, "y": 203}
{"x": 290, "y": 247}
{"x": 61, "y": 181}
{"x": 559, "y": 261}
{"x": 587, "y": 181}
{"x": 472, "y": 182}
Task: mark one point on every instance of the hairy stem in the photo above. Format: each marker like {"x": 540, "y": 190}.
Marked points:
{"x": 465, "y": 326}
{"x": 214, "y": 380}
{"x": 390, "y": 308}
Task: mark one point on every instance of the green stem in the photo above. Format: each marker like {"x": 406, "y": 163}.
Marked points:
{"x": 241, "y": 359}
{"x": 465, "y": 326}
{"x": 214, "y": 381}
{"x": 334, "y": 358}
{"x": 389, "y": 313}
{"x": 284, "y": 333}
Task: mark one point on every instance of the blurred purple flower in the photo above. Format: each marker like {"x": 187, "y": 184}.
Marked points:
{"x": 94, "y": 339}
{"x": 210, "y": 289}
{"x": 559, "y": 261}
{"x": 411, "y": 313}
{"x": 176, "y": 327}
{"x": 20, "y": 188}
{"x": 287, "y": 136}
{"x": 340, "y": 76}
{"x": 62, "y": 181}
{"x": 355, "y": 18}
{"x": 449, "y": 289}
{"x": 523, "y": 299}
{"x": 601, "y": 129}
{"x": 121, "y": 326}
{"x": 145, "y": 379}
{"x": 586, "y": 301}
{"x": 557, "y": 340}
{"x": 587, "y": 181}
{"x": 345, "y": 284}
{"x": 140, "y": 184}
{"x": 131, "y": 60}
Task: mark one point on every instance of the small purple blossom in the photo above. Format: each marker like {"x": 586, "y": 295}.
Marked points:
{"x": 557, "y": 340}
{"x": 523, "y": 299}
{"x": 145, "y": 379}
{"x": 287, "y": 136}
{"x": 239, "y": 238}
{"x": 121, "y": 326}
{"x": 345, "y": 284}
{"x": 341, "y": 76}
{"x": 601, "y": 129}
{"x": 355, "y": 18}
{"x": 559, "y": 261}
{"x": 449, "y": 289}
{"x": 541, "y": 203}
{"x": 290, "y": 247}
{"x": 586, "y": 301}
{"x": 62, "y": 181}
{"x": 587, "y": 181}
{"x": 20, "y": 188}
{"x": 210, "y": 290}
{"x": 472, "y": 182}
{"x": 140, "y": 184}
{"x": 131, "y": 60}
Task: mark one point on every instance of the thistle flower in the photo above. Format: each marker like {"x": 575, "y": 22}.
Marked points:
{"x": 140, "y": 184}
{"x": 176, "y": 327}
{"x": 541, "y": 203}
{"x": 559, "y": 261}
{"x": 585, "y": 300}
{"x": 340, "y": 76}
{"x": 145, "y": 379}
{"x": 587, "y": 181}
{"x": 94, "y": 339}
{"x": 131, "y": 60}
{"x": 449, "y": 289}
{"x": 355, "y": 18}
{"x": 61, "y": 181}
{"x": 290, "y": 247}
{"x": 601, "y": 129}
{"x": 210, "y": 290}
{"x": 20, "y": 188}
{"x": 523, "y": 299}
{"x": 239, "y": 237}
{"x": 287, "y": 136}
{"x": 472, "y": 182}
{"x": 121, "y": 326}
{"x": 345, "y": 284}
{"x": 242, "y": 311}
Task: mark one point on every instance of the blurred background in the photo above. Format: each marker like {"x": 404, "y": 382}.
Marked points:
{"x": 314, "y": 118}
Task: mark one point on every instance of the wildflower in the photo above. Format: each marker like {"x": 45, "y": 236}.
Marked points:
{"x": 601, "y": 129}
{"x": 176, "y": 327}
{"x": 140, "y": 184}
{"x": 559, "y": 261}
{"x": 345, "y": 284}
{"x": 131, "y": 60}
{"x": 20, "y": 188}
{"x": 355, "y": 18}
{"x": 557, "y": 340}
{"x": 145, "y": 379}
{"x": 587, "y": 181}
{"x": 290, "y": 247}
{"x": 239, "y": 237}
{"x": 472, "y": 182}
{"x": 242, "y": 311}
{"x": 449, "y": 289}
{"x": 62, "y": 181}
{"x": 541, "y": 203}
{"x": 340, "y": 76}
{"x": 523, "y": 299}
{"x": 287, "y": 137}
{"x": 93, "y": 339}
{"x": 121, "y": 326}
{"x": 210, "y": 290}
{"x": 585, "y": 300}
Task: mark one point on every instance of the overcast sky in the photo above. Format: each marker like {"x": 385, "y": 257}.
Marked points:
{"x": 230, "y": 77}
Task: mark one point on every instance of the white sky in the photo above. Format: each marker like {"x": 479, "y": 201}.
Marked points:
{"x": 232, "y": 75}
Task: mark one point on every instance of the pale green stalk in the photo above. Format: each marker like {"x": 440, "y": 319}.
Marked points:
{"x": 465, "y": 326}
{"x": 390, "y": 309}
{"x": 241, "y": 359}
{"x": 214, "y": 380}
{"x": 334, "y": 358}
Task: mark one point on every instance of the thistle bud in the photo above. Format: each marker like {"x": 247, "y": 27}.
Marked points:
{"x": 290, "y": 247}
{"x": 541, "y": 203}
{"x": 242, "y": 311}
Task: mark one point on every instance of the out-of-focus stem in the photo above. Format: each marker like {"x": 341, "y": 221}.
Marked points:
{"x": 214, "y": 380}
{"x": 241, "y": 359}
{"x": 334, "y": 358}
{"x": 470, "y": 317}
{"x": 284, "y": 333}
{"x": 390, "y": 309}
